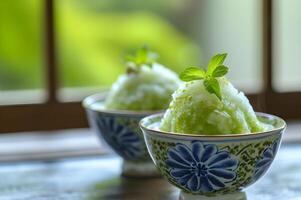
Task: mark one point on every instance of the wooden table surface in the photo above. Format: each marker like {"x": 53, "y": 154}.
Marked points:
{"x": 97, "y": 178}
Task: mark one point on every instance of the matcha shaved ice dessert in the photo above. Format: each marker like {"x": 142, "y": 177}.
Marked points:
{"x": 146, "y": 86}
{"x": 209, "y": 104}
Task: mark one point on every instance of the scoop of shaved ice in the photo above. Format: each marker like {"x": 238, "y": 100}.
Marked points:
{"x": 193, "y": 110}
{"x": 148, "y": 89}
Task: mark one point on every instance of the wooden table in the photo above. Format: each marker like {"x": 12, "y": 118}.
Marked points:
{"x": 97, "y": 178}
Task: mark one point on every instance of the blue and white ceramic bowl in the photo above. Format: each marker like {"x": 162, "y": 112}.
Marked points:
{"x": 120, "y": 130}
{"x": 212, "y": 165}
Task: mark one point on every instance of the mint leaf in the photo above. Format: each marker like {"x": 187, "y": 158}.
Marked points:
{"x": 130, "y": 58}
{"x": 216, "y": 61}
{"x": 215, "y": 69}
{"x": 220, "y": 71}
{"x": 142, "y": 56}
{"x": 145, "y": 56}
{"x": 142, "y": 52}
{"x": 212, "y": 86}
{"x": 192, "y": 73}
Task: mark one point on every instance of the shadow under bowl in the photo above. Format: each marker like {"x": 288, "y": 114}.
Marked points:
{"x": 120, "y": 131}
{"x": 212, "y": 165}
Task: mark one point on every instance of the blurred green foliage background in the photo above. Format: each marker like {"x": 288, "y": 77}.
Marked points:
{"x": 91, "y": 38}
{"x": 93, "y": 35}
{"x": 21, "y": 45}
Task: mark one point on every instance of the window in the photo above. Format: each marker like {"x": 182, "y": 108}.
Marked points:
{"x": 240, "y": 36}
{"x": 92, "y": 37}
{"x": 287, "y": 37}
{"x": 55, "y": 52}
{"x": 21, "y": 52}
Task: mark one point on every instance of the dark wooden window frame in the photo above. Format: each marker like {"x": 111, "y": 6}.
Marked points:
{"x": 54, "y": 115}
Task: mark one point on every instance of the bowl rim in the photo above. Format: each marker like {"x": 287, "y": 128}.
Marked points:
{"x": 158, "y": 132}
{"x": 88, "y": 102}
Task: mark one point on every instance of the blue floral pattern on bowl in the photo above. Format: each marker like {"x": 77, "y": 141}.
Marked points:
{"x": 263, "y": 164}
{"x": 125, "y": 142}
{"x": 202, "y": 168}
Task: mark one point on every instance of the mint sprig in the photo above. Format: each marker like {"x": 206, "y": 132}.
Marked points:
{"x": 215, "y": 69}
{"x": 142, "y": 56}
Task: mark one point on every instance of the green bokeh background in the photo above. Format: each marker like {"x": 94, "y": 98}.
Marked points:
{"x": 92, "y": 37}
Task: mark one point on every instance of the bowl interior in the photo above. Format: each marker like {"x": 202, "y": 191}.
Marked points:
{"x": 152, "y": 123}
{"x": 96, "y": 103}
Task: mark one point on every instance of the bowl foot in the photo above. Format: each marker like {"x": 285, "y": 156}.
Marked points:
{"x": 139, "y": 169}
{"x": 232, "y": 196}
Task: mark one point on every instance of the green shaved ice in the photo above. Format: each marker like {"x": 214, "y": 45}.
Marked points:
{"x": 148, "y": 89}
{"x": 193, "y": 110}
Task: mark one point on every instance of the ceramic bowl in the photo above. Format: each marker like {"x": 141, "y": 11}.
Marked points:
{"x": 212, "y": 165}
{"x": 120, "y": 131}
